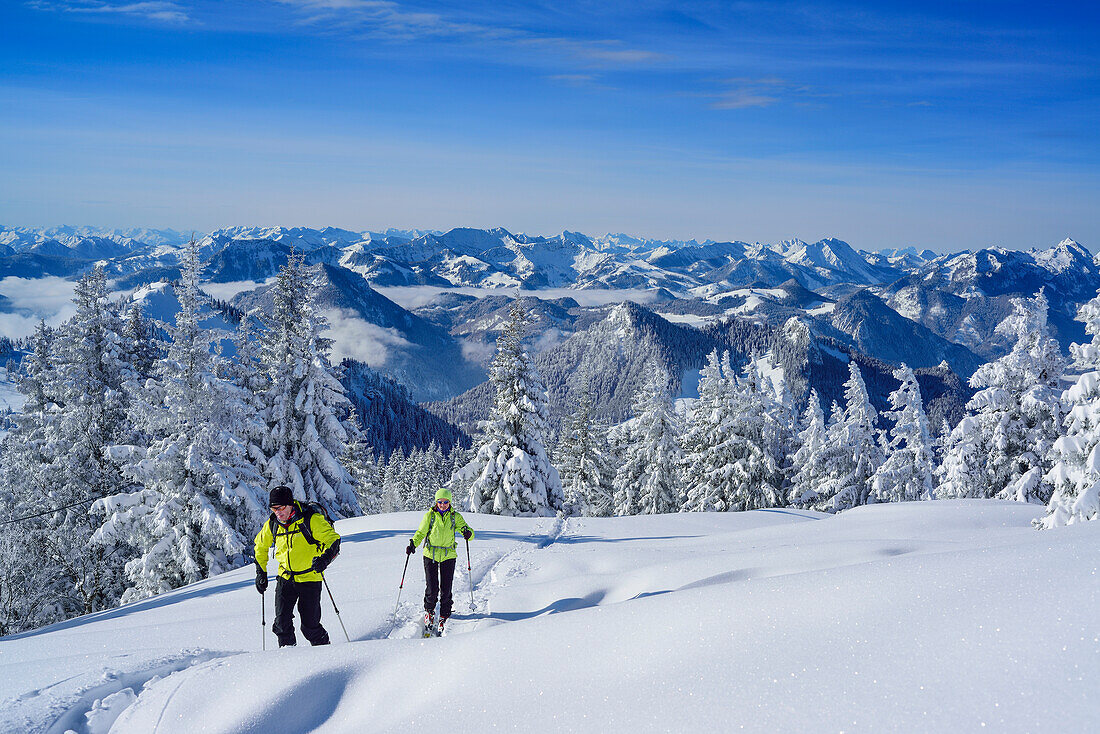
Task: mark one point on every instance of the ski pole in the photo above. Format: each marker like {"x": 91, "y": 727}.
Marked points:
{"x": 399, "y": 588}
{"x": 263, "y": 622}
{"x": 470, "y": 574}
{"x": 338, "y": 617}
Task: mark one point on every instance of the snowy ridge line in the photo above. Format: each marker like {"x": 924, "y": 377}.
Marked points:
{"x": 789, "y": 512}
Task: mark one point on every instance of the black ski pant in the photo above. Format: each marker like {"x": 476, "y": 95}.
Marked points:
{"x": 439, "y": 576}
{"x": 307, "y": 594}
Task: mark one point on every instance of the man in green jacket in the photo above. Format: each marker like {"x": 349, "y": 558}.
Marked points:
{"x": 305, "y": 544}
{"x": 438, "y": 531}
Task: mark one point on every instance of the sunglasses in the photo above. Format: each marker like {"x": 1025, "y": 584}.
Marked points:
{"x": 443, "y": 502}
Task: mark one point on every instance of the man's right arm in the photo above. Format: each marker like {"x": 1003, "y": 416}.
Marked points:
{"x": 263, "y": 545}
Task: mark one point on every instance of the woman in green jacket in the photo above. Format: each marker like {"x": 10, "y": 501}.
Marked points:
{"x": 438, "y": 531}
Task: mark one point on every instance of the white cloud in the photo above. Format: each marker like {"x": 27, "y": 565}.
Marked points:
{"x": 739, "y": 99}
{"x": 158, "y": 10}
{"x": 17, "y": 326}
{"x": 49, "y": 298}
{"x": 552, "y": 337}
{"x": 392, "y": 20}
{"x": 357, "y": 339}
{"x": 378, "y": 16}
{"x": 745, "y": 92}
{"x": 477, "y": 352}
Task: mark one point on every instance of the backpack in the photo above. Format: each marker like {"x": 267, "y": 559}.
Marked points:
{"x": 309, "y": 509}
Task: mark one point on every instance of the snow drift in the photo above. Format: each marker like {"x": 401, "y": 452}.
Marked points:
{"x": 923, "y": 616}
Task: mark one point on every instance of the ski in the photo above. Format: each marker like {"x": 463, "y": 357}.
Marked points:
{"x": 428, "y": 630}
{"x": 439, "y": 630}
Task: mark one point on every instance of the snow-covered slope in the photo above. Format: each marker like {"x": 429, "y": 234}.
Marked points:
{"x": 935, "y": 616}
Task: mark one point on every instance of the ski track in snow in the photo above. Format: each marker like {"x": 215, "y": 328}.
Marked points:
{"x": 72, "y": 716}
{"x": 515, "y": 562}
{"x": 489, "y": 571}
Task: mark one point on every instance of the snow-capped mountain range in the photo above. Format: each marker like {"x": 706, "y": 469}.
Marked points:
{"x": 409, "y": 302}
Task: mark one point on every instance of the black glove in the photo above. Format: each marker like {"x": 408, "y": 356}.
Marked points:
{"x": 261, "y": 579}
{"x": 411, "y": 549}
{"x": 321, "y": 562}
{"x": 467, "y": 533}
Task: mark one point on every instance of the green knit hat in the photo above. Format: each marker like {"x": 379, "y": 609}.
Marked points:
{"x": 443, "y": 494}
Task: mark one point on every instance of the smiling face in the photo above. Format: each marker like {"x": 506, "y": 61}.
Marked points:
{"x": 282, "y": 512}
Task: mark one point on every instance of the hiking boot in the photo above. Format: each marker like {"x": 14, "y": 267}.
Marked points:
{"x": 429, "y": 624}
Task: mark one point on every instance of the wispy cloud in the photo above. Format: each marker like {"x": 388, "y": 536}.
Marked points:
{"x": 477, "y": 352}
{"x": 739, "y": 99}
{"x": 395, "y": 21}
{"x": 577, "y": 80}
{"x": 745, "y": 92}
{"x": 162, "y": 11}
{"x": 379, "y": 17}
{"x": 598, "y": 53}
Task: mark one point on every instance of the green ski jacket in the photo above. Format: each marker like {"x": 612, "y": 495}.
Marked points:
{"x": 439, "y": 534}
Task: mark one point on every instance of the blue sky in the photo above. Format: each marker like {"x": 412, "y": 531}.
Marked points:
{"x": 947, "y": 125}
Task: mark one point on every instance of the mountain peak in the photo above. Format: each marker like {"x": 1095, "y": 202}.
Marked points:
{"x": 1067, "y": 254}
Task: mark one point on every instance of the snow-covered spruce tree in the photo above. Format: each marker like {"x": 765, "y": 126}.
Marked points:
{"x": 746, "y": 459}
{"x": 852, "y": 450}
{"x": 452, "y": 471}
{"x": 706, "y": 466}
{"x": 422, "y": 476}
{"x": 511, "y": 473}
{"x": 393, "y": 484}
{"x": 939, "y": 445}
{"x": 90, "y": 375}
{"x": 1000, "y": 448}
{"x": 732, "y": 440}
{"x": 364, "y": 470}
{"x": 196, "y": 498}
{"x": 906, "y": 474}
{"x": 32, "y": 593}
{"x": 306, "y": 408}
{"x": 139, "y": 345}
{"x": 586, "y": 475}
{"x": 25, "y": 585}
{"x": 767, "y": 419}
{"x": 246, "y": 372}
{"x": 1075, "y": 475}
{"x": 808, "y": 461}
{"x": 647, "y": 481}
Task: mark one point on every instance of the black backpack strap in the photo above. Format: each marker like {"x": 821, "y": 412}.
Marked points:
{"x": 308, "y": 511}
{"x": 431, "y": 521}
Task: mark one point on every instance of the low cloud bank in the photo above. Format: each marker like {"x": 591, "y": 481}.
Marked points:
{"x": 357, "y": 339}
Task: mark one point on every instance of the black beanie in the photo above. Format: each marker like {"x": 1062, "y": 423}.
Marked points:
{"x": 280, "y": 496}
